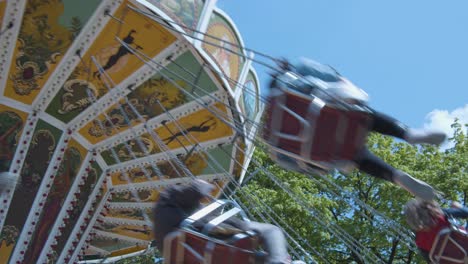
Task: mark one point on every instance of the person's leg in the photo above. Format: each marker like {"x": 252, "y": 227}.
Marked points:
{"x": 273, "y": 241}
{"x": 371, "y": 164}
{"x": 387, "y": 125}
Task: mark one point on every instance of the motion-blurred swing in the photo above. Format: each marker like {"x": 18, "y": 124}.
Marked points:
{"x": 201, "y": 241}
{"x": 450, "y": 246}
{"x": 307, "y": 130}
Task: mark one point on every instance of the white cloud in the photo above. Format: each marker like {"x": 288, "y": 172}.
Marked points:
{"x": 441, "y": 120}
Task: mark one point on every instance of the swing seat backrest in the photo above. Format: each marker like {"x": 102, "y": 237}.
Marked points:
{"x": 450, "y": 247}
{"x": 203, "y": 239}
{"x": 306, "y": 128}
{"x": 190, "y": 247}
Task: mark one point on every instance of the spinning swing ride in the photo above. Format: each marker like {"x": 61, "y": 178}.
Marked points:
{"x": 105, "y": 103}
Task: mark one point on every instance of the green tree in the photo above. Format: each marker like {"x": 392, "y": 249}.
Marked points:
{"x": 446, "y": 170}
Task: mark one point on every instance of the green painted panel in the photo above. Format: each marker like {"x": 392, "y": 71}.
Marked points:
{"x": 43, "y": 144}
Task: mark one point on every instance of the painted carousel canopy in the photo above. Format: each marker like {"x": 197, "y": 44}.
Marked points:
{"x": 104, "y": 104}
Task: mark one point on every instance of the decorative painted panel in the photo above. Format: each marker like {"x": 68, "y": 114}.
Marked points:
{"x": 42, "y": 147}
{"x": 197, "y": 163}
{"x": 200, "y": 126}
{"x": 49, "y": 27}
{"x": 118, "y": 61}
{"x": 54, "y": 213}
{"x": 147, "y": 98}
{"x": 224, "y": 47}
{"x": 11, "y": 124}
{"x": 77, "y": 209}
{"x": 249, "y": 99}
{"x": 67, "y": 172}
{"x": 185, "y": 12}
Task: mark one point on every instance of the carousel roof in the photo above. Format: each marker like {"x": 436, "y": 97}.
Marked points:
{"x": 103, "y": 104}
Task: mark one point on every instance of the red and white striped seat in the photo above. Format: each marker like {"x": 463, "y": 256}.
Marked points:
{"x": 450, "y": 247}
{"x": 195, "y": 245}
{"x": 309, "y": 129}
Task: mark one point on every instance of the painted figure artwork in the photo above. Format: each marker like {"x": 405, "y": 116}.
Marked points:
{"x": 200, "y": 126}
{"x": 48, "y": 29}
{"x": 203, "y": 127}
{"x": 11, "y": 125}
{"x": 152, "y": 98}
{"x": 77, "y": 209}
{"x": 66, "y": 174}
{"x": 114, "y": 58}
{"x": 182, "y": 11}
{"x": 115, "y": 119}
{"x": 42, "y": 146}
{"x": 110, "y": 60}
{"x": 222, "y": 55}
{"x": 224, "y": 47}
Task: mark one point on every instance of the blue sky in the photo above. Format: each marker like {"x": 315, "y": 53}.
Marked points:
{"x": 410, "y": 56}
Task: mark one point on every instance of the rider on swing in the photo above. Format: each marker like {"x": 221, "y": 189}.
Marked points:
{"x": 341, "y": 89}
{"x": 180, "y": 201}
{"x": 426, "y": 219}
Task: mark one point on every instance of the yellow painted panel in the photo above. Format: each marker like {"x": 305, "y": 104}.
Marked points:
{"x": 224, "y": 47}
{"x": 138, "y": 32}
{"x": 21, "y": 114}
{"x": 201, "y": 127}
{"x": 127, "y": 251}
{"x": 138, "y": 232}
{"x": 74, "y": 144}
{"x": 196, "y": 163}
{"x": 5, "y": 251}
{"x": 44, "y": 37}
{"x": 113, "y": 124}
{"x": 3, "y": 4}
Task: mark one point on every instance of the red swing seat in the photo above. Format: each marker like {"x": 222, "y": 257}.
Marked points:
{"x": 309, "y": 129}
{"x": 450, "y": 247}
{"x": 191, "y": 246}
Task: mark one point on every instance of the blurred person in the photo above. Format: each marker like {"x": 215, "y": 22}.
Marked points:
{"x": 427, "y": 219}
{"x": 181, "y": 201}
{"x": 326, "y": 83}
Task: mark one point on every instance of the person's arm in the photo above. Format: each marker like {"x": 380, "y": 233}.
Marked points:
{"x": 457, "y": 212}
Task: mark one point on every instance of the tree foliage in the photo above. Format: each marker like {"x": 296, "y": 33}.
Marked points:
{"x": 446, "y": 170}
{"x": 321, "y": 210}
